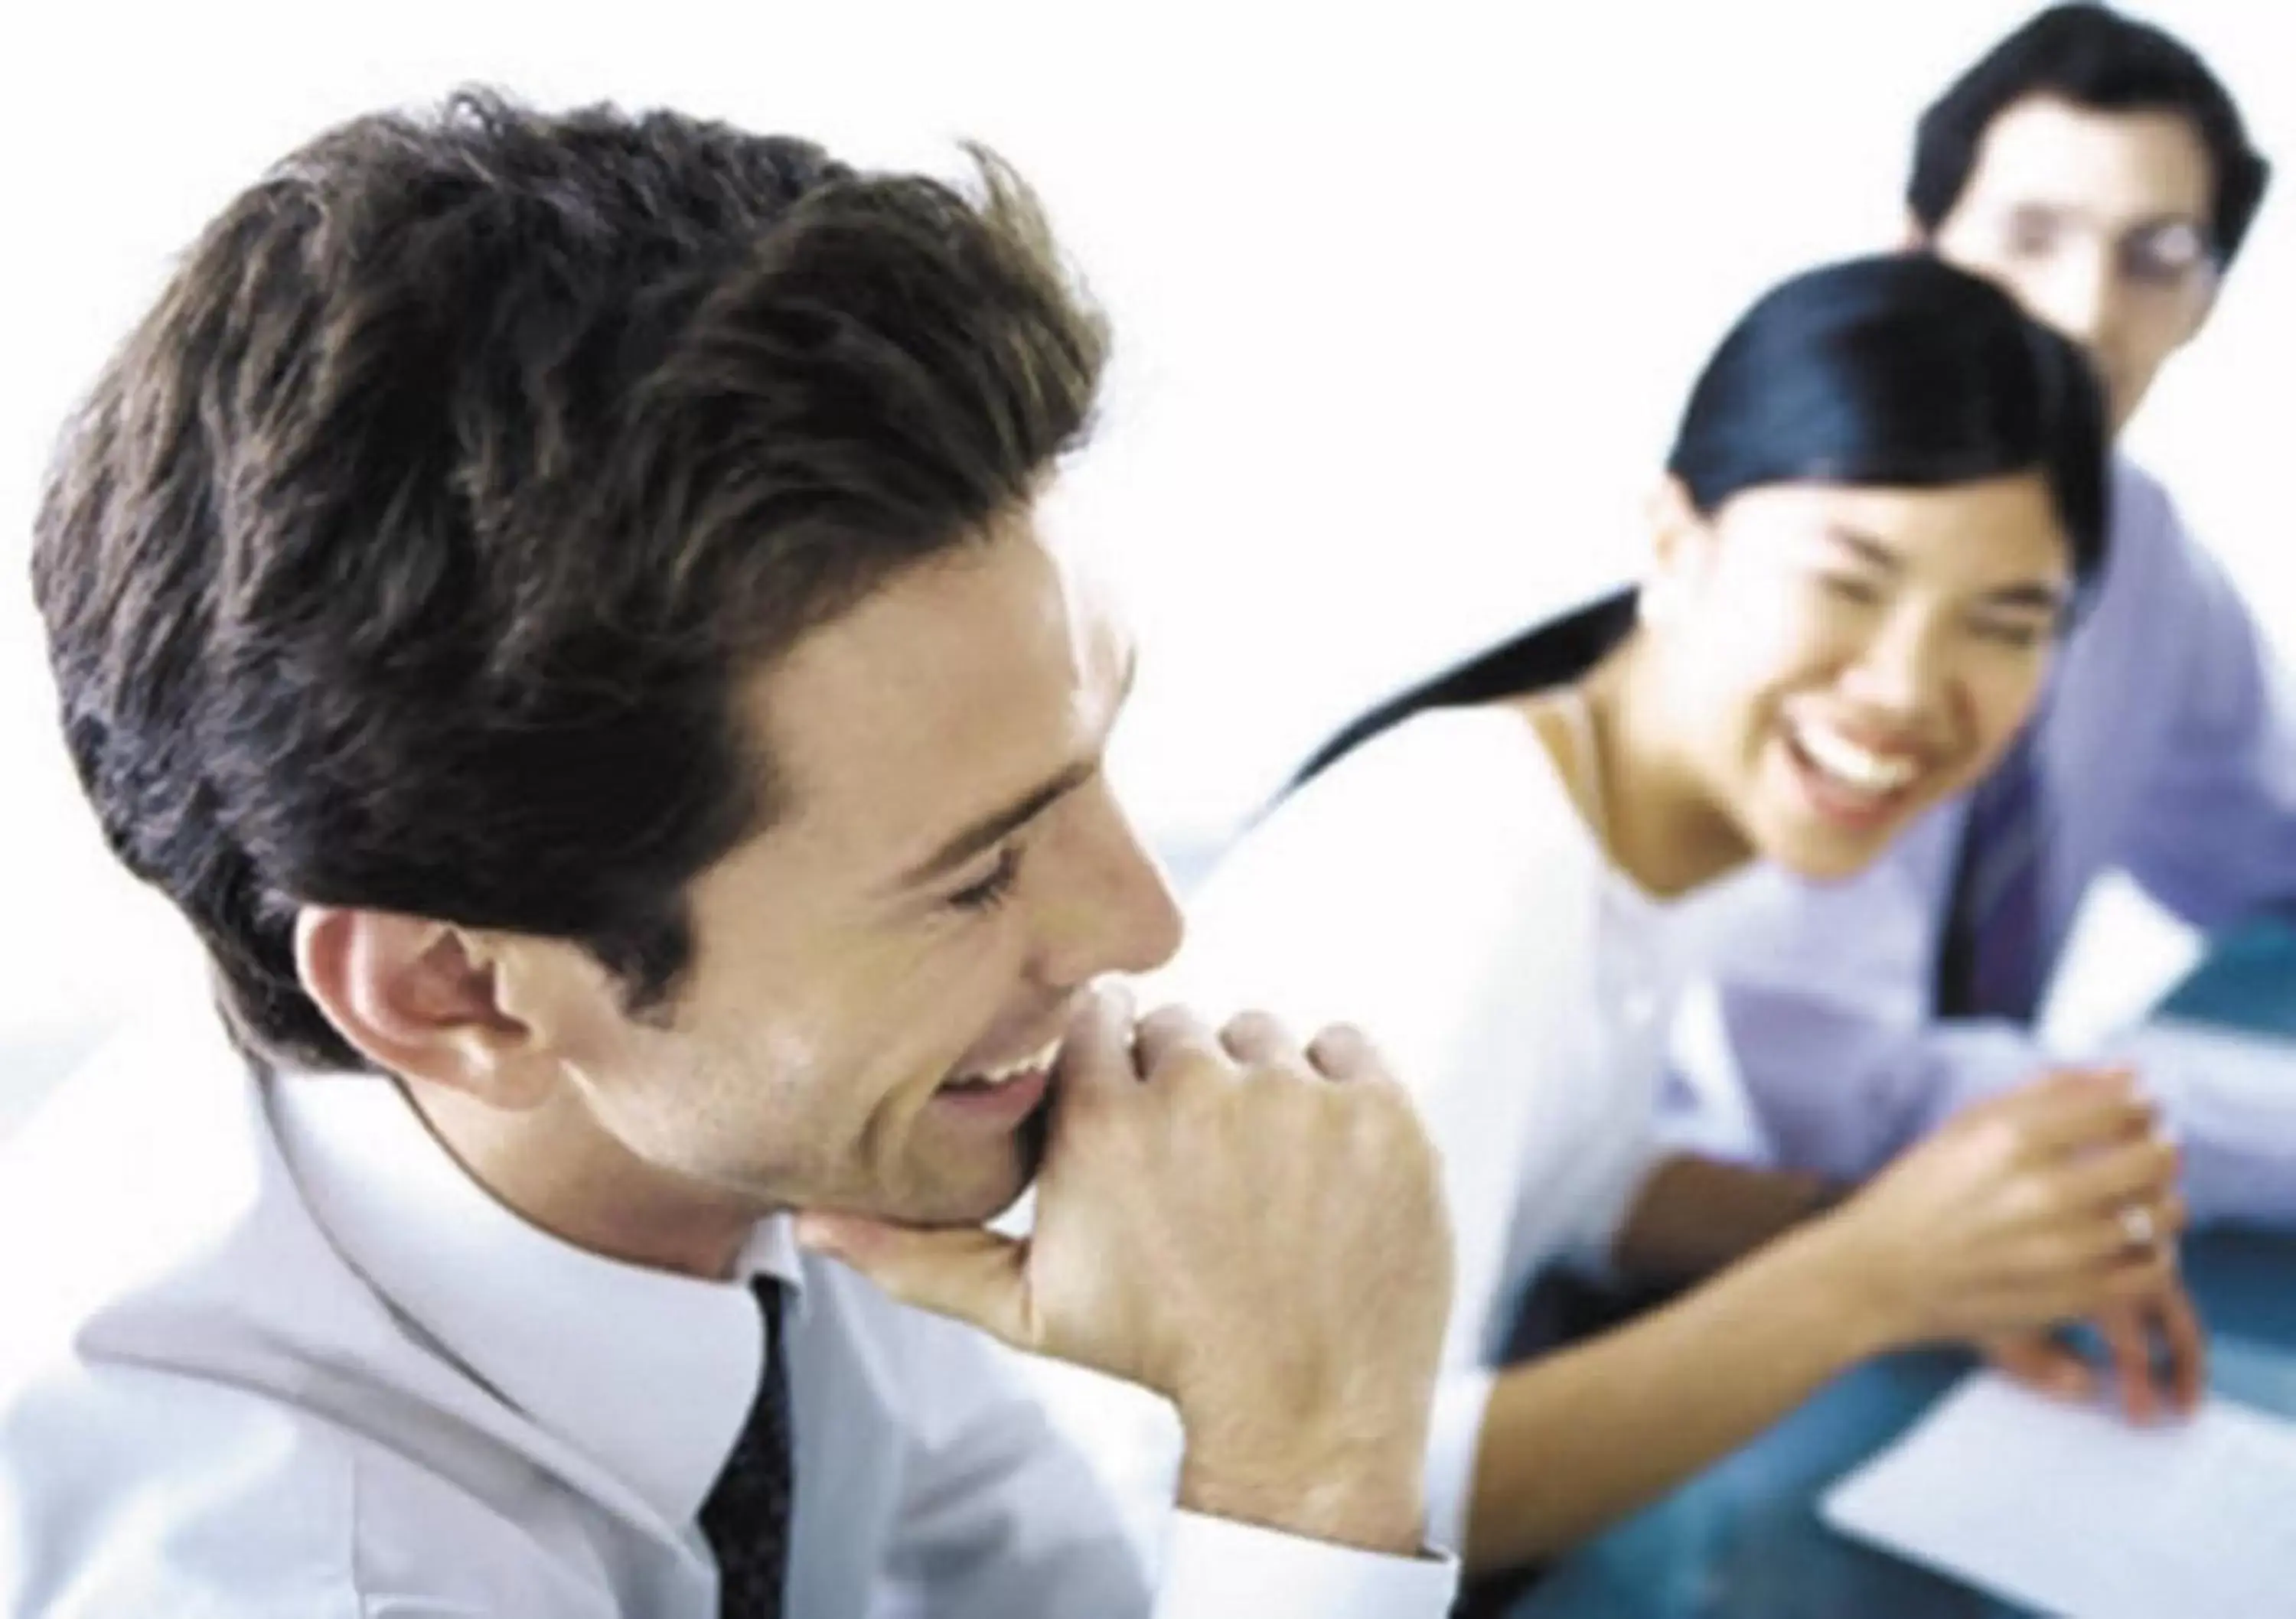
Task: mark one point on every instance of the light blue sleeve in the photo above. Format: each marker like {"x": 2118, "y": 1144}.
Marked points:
{"x": 2211, "y": 831}
{"x": 1843, "y": 1092}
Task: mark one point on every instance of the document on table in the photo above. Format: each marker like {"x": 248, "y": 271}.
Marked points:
{"x": 2070, "y": 1510}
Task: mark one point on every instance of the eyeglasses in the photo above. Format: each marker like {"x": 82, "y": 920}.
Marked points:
{"x": 2169, "y": 256}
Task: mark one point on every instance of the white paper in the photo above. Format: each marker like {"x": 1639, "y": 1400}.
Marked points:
{"x": 2072, "y": 1511}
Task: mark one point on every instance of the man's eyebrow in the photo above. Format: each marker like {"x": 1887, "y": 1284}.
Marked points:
{"x": 992, "y": 829}
{"x": 2171, "y": 219}
{"x": 2153, "y": 225}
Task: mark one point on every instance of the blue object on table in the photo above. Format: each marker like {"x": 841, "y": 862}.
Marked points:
{"x": 2248, "y": 982}
{"x": 1744, "y": 1540}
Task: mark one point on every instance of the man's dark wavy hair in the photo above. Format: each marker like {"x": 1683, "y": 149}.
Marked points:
{"x": 415, "y": 552}
{"x": 2093, "y": 57}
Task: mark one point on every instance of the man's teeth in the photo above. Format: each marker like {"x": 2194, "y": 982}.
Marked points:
{"x": 1853, "y": 766}
{"x": 1033, "y": 1063}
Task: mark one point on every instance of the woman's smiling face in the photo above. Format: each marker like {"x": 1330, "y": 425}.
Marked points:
{"x": 1838, "y": 660}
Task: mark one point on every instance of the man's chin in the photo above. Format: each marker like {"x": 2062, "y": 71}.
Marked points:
{"x": 1025, "y": 1160}
{"x": 970, "y": 1187}
{"x": 1014, "y": 1191}
{"x": 993, "y": 1191}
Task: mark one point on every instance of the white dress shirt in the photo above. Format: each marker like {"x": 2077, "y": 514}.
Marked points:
{"x": 265, "y": 1351}
{"x": 1438, "y": 889}
{"x": 2166, "y": 748}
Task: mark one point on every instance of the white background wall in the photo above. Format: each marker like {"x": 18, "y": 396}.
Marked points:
{"x": 1406, "y": 299}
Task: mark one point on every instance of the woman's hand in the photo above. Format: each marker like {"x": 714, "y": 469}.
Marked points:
{"x": 2155, "y": 1354}
{"x": 2051, "y": 1203}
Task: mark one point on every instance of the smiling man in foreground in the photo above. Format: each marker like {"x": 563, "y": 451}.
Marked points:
{"x": 554, "y": 601}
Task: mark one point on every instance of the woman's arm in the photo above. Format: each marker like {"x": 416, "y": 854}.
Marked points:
{"x": 1694, "y": 1215}
{"x": 2012, "y": 1216}
{"x": 1577, "y": 1438}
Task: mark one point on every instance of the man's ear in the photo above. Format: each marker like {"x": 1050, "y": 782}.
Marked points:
{"x": 422, "y": 999}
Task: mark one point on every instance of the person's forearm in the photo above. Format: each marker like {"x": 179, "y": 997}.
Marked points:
{"x": 1694, "y": 1215}
{"x": 1575, "y": 1439}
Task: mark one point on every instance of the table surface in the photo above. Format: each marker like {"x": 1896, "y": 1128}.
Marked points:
{"x": 1744, "y": 1540}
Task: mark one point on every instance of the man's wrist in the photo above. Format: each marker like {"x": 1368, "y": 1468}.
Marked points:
{"x": 1372, "y": 1497}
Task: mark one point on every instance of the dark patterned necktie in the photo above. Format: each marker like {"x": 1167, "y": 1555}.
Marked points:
{"x": 746, "y": 1517}
{"x": 1991, "y": 960}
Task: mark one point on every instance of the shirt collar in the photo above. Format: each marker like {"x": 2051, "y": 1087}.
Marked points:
{"x": 649, "y": 1372}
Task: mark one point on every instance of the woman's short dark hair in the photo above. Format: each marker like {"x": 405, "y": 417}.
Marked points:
{"x": 414, "y": 554}
{"x": 1897, "y": 371}
{"x": 2093, "y": 57}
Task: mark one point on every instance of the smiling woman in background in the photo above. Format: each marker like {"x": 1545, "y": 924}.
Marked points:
{"x": 1887, "y": 494}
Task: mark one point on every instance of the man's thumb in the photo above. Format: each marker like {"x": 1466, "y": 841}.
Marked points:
{"x": 968, "y": 1272}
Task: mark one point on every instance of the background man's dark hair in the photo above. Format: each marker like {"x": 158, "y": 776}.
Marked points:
{"x": 415, "y": 553}
{"x": 2092, "y": 57}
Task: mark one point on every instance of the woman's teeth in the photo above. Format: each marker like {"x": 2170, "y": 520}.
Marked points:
{"x": 1852, "y": 765}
